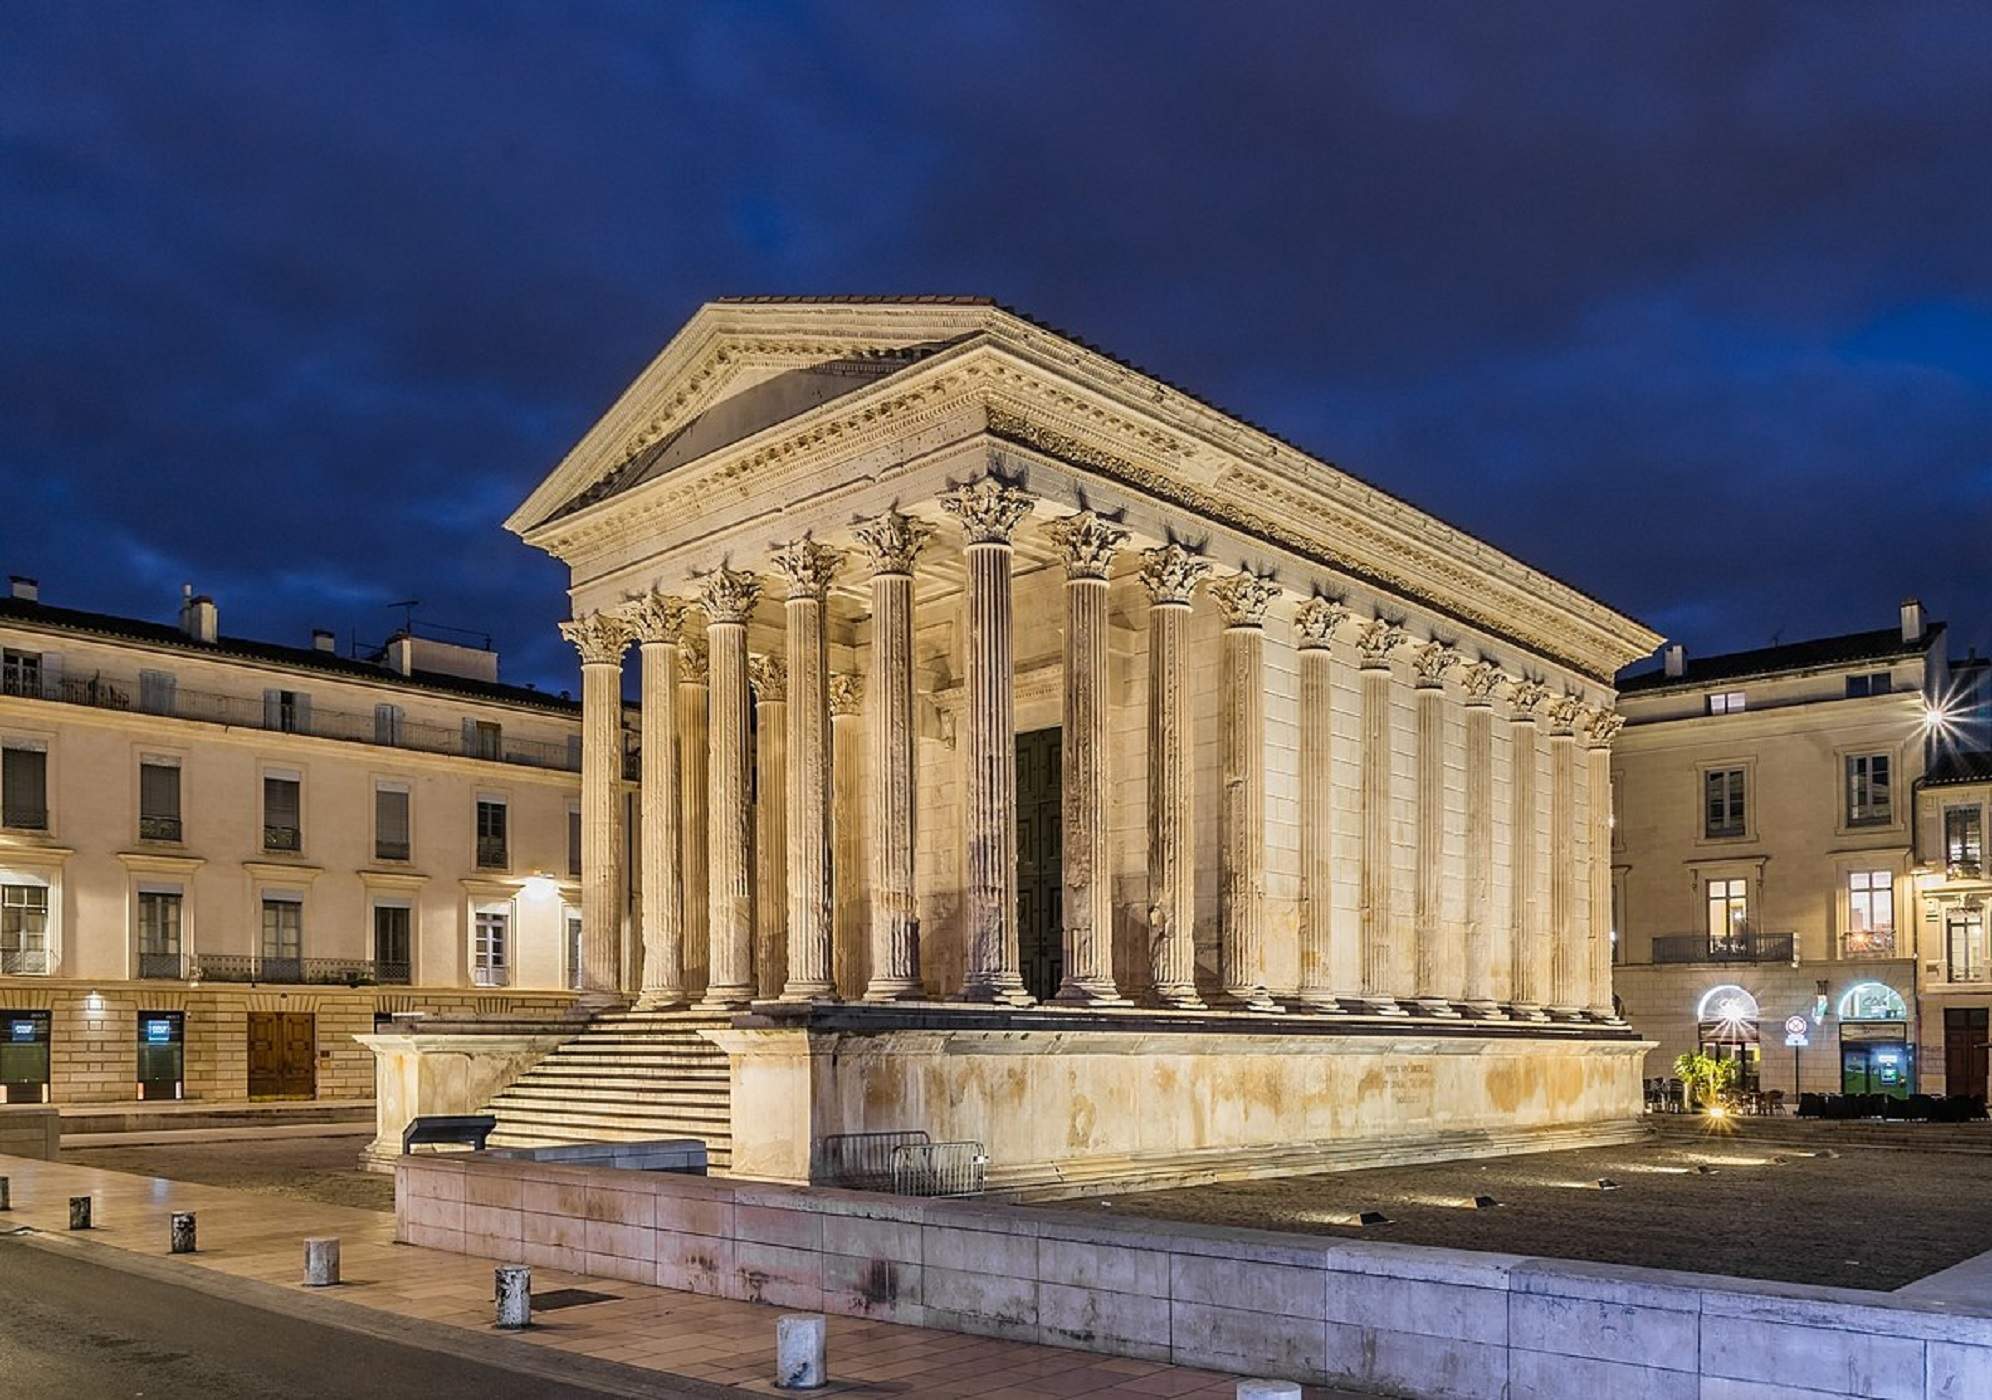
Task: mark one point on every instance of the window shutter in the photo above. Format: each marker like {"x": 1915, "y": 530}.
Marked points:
{"x": 391, "y": 818}
{"x": 280, "y": 802}
{"x": 158, "y": 790}
{"x": 470, "y": 738}
{"x": 387, "y": 724}
{"x": 574, "y": 753}
{"x": 24, "y": 787}
{"x": 574, "y": 841}
{"x": 51, "y": 671}
{"x": 273, "y": 709}
{"x": 156, "y": 692}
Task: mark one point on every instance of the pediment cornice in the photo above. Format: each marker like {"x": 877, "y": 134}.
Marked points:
{"x": 1043, "y": 394}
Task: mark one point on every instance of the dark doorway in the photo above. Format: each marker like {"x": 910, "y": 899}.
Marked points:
{"x": 1040, "y": 863}
{"x": 283, "y": 1055}
{"x": 1964, "y": 1050}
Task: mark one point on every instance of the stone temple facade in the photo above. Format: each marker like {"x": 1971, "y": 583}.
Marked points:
{"x": 1036, "y": 755}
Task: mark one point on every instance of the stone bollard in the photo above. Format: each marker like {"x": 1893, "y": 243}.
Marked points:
{"x": 181, "y": 1240}
{"x": 79, "y": 1212}
{"x": 515, "y": 1295}
{"x": 6, "y": 1201}
{"x": 801, "y": 1341}
{"x": 1268, "y": 1390}
{"x": 321, "y": 1262}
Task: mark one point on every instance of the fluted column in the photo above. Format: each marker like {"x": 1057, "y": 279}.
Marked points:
{"x": 1568, "y": 966}
{"x": 1314, "y": 628}
{"x": 989, "y": 512}
{"x": 1171, "y": 575}
{"x": 1530, "y": 978}
{"x": 694, "y": 812}
{"x": 1602, "y": 728}
{"x": 1486, "y": 951}
{"x": 1435, "y": 971}
{"x": 850, "y": 937}
{"x": 1088, "y": 544}
{"x": 1380, "y": 975}
{"x": 808, "y": 567}
{"x": 1243, "y": 598}
{"x": 657, "y": 620}
{"x": 728, "y": 597}
{"x": 601, "y": 638}
{"x": 767, "y": 678}
{"x": 893, "y": 542}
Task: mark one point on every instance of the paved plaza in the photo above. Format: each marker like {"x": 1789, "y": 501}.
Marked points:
{"x": 645, "y": 1341}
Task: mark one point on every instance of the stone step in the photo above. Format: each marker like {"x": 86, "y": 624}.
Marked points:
{"x": 599, "y": 1062}
{"x": 533, "y": 1096}
{"x": 599, "y": 1118}
{"x": 634, "y": 1079}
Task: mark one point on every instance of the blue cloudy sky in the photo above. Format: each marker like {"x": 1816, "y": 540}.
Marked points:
{"x": 1690, "y": 304}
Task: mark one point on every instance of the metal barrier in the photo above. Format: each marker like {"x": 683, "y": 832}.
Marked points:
{"x": 939, "y": 1169}
{"x": 861, "y": 1161}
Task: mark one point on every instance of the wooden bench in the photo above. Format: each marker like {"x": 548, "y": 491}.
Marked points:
{"x": 466, "y": 1128}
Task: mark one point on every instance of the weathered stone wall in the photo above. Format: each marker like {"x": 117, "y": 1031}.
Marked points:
{"x": 1395, "y": 1319}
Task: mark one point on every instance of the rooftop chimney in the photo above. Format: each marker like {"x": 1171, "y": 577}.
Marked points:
{"x": 1676, "y": 659}
{"x": 199, "y": 618}
{"x": 25, "y": 588}
{"x": 1912, "y": 620}
{"x": 401, "y": 654}
{"x": 322, "y": 640}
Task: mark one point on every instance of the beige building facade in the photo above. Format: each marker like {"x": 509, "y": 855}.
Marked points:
{"x": 1768, "y": 877}
{"x": 1149, "y": 792}
{"x": 220, "y": 860}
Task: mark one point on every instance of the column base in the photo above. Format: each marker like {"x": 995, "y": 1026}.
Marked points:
{"x": 667, "y": 1000}
{"x": 1175, "y": 999}
{"x": 809, "y": 991}
{"x": 1076, "y": 993}
{"x": 1485, "y": 1011}
{"x": 1527, "y": 1011}
{"x": 726, "y": 999}
{"x": 1384, "y": 1006}
{"x": 1307, "y": 1002}
{"x": 881, "y": 990}
{"x": 1439, "y": 1007}
{"x": 1256, "y": 999}
{"x": 1605, "y": 1016}
{"x": 1002, "y": 993}
{"x": 1566, "y": 1013}
{"x": 596, "y": 1002}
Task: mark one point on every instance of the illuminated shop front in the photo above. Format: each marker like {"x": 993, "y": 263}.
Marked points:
{"x": 1876, "y": 1056}
{"x": 1727, "y": 1030}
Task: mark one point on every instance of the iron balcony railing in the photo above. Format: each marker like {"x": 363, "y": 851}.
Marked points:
{"x": 23, "y": 817}
{"x": 487, "y": 975}
{"x": 318, "y": 972}
{"x": 169, "y": 967}
{"x": 250, "y": 712}
{"x": 282, "y": 838}
{"x": 392, "y": 974}
{"x": 159, "y": 828}
{"x": 25, "y": 962}
{"x": 491, "y": 853}
{"x": 1731, "y": 948}
{"x": 390, "y": 850}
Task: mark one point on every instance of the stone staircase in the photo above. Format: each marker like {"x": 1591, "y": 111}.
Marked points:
{"x": 630, "y": 1076}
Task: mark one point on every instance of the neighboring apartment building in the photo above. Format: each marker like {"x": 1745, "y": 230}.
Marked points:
{"x": 1955, "y": 885}
{"x": 220, "y": 859}
{"x": 1765, "y": 860}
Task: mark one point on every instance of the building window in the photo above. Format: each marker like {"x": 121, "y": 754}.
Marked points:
{"x": 283, "y": 940}
{"x": 483, "y": 739}
{"x": 21, "y": 673}
{"x": 1870, "y": 913}
{"x": 1870, "y": 796}
{"x": 158, "y": 692}
{"x": 1964, "y": 944}
{"x": 24, "y": 787}
{"x": 392, "y": 837}
{"x": 390, "y": 721}
{"x": 159, "y": 934}
{"x": 1869, "y": 683}
{"x": 1727, "y": 702}
{"x": 494, "y": 929}
{"x": 159, "y": 799}
{"x": 491, "y": 854}
{"x": 571, "y": 921}
{"x": 393, "y": 942}
{"x": 287, "y": 711}
{"x": 24, "y": 930}
{"x": 1964, "y": 841}
{"x": 573, "y": 840}
{"x": 1722, "y": 793}
{"x": 1728, "y": 914}
{"x": 282, "y": 824}
{"x": 1873, "y": 1001}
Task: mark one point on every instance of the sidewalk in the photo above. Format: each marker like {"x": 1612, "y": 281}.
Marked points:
{"x": 668, "y": 1334}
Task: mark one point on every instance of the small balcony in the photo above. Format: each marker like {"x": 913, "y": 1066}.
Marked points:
{"x": 159, "y": 829}
{"x": 486, "y": 975}
{"x": 390, "y": 850}
{"x": 1735, "y": 948}
{"x": 26, "y": 962}
{"x": 282, "y": 838}
{"x": 308, "y": 972}
{"x": 392, "y": 974}
{"x": 491, "y": 853}
{"x": 162, "y": 967}
{"x": 23, "y": 817}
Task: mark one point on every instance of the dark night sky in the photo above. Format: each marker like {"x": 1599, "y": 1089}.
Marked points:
{"x": 1690, "y": 304}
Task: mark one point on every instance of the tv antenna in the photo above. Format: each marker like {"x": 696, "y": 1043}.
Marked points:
{"x": 407, "y": 606}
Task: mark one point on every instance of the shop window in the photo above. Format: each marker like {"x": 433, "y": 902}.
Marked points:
{"x": 1873, "y": 1001}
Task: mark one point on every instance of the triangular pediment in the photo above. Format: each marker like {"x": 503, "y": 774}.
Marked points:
{"x": 735, "y": 369}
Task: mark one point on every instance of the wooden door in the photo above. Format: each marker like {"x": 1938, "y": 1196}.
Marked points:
{"x": 283, "y": 1055}
{"x": 1040, "y": 862}
{"x": 1965, "y": 1036}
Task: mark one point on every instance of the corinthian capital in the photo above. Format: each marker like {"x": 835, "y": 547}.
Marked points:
{"x": 847, "y": 694}
{"x": 1171, "y": 574}
{"x": 769, "y": 675}
{"x": 1563, "y": 712}
{"x": 655, "y": 616}
{"x": 989, "y": 510}
{"x": 807, "y": 567}
{"x": 600, "y": 637}
{"x": 1525, "y": 696}
{"x": 694, "y": 660}
{"x": 1087, "y": 542}
{"x": 728, "y": 595}
{"x": 1316, "y": 621}
{"x": 1431, "y": 661}
{"x": 1378, "y": 639}
{"x": 1479, "y": 680}
{"x": 1243, "y": 598}
{"x": 893, "y": 541}
{"x": 1601, "y": 726}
